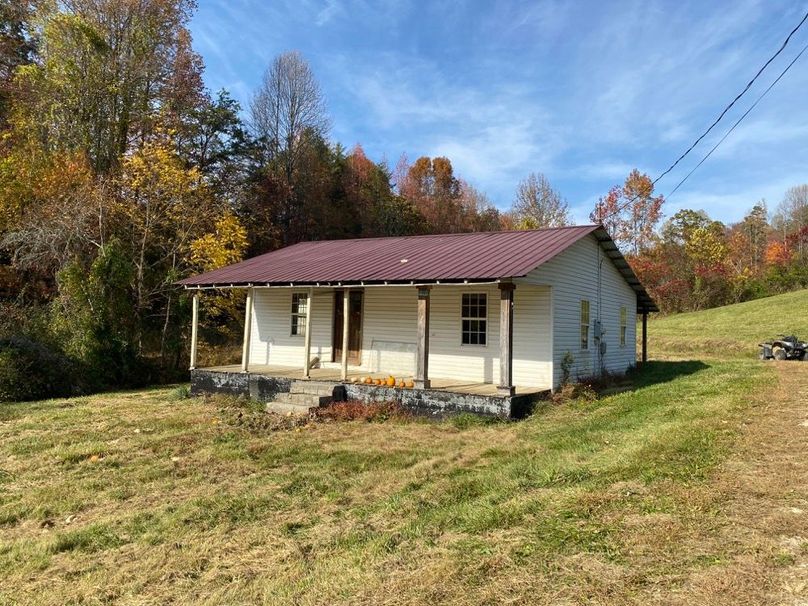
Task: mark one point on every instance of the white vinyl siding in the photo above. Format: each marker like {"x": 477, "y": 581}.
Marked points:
{"x": 389, "y": 333}
{"x": 531, "y": 337}
{"x": 573, "y": 276}
{"x": 271, "y": 341}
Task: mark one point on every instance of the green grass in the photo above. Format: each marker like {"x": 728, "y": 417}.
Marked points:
{"x": 730, "y": 331}
{"x": 155, "y": 497}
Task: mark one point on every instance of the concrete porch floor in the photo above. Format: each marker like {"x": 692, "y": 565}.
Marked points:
{"x": 333, "y": 375}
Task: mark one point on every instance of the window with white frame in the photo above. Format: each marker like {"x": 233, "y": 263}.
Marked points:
{"x": 300, "y": 309}
{"x": 584, "y": 324}
{"x": 623, "y": 326}
{"x": 474, "y": 314}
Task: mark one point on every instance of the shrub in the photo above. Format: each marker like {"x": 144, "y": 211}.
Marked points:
{"x": 92, "y": 318}
{"x": 566, "y": 367}
{"x": 581, "y": 392}
{"x": 354, "y": 410}
{"x": 30, "y": 370}
{"x": 183, "y": 392}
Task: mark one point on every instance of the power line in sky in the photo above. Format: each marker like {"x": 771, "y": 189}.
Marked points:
{"x": 735, "y": 100}
{"x": 721, "y": 116}
{"x": 732, "y": 128}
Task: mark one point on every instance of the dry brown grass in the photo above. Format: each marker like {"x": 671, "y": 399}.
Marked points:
{"x": 684, "y": 491}
{"x": 763, "y": 490}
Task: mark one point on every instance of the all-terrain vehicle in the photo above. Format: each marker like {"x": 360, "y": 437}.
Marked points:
{"x": 786, "y": 347}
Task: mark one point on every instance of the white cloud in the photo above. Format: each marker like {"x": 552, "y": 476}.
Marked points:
{"x": 581, "y": 92}
{"x": 331, "y": 8}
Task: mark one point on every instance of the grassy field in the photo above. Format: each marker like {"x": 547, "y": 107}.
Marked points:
{"x": 683, "y": 490}
{"x": 730, "y": 331}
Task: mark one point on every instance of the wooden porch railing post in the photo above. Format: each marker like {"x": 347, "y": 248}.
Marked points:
{"x": 245, "y": 350}
{"x": 194, "y": 327}
{"x": 307, "y": 337}
{"x": 421, "y": 380}
{"x": 346, "y": 299}
{"x": 506, "y": 387}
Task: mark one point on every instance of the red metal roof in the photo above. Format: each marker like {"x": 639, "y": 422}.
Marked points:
{"x": 444, "y": 257}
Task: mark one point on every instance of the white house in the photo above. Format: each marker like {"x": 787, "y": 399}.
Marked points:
{"x": 492, "y": 313}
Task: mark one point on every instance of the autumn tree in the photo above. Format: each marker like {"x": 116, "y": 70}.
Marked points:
{"x": 62, "y": 215}
{"x": 477, "y": 213}
{"x": 777, "y": 254}
{"x": 432, "y": 187}
{"x": 165, "y": 207}
{"x": 686, "y": 268}
{"x": 538, "y": 204}
{"x": 224, "y": 245}
{"x": 630, "y": 213}
{"x": 289, "y": 121}
{"x": 750, "y": 237}
{"x": 791, "y": 217}
{"x": 288, "y": 103}
{"x": 104, "y": 68}
{"x": 17, "y": 47}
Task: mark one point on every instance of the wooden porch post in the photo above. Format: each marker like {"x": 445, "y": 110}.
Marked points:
{"x": 644, "y": 336}
{"x": 506, "y": 387}
{"x": 422, "y": 350}
{"x": 194, "y": 327}
{"x": 307, "y": 336}
{"x": 245, "y": 351}
{"x": 346, "y": 299}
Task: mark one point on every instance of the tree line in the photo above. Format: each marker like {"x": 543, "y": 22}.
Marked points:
{"x": 691, "y": 261}
{"x": 121, "y": 173}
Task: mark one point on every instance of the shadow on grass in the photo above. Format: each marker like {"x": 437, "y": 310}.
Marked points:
{"x": 663, "y": 371}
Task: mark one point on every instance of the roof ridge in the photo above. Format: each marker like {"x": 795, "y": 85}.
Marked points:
{"x": 450, "y": 234}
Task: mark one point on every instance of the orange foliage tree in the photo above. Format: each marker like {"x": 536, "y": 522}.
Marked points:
{"x": 630, "y": 213}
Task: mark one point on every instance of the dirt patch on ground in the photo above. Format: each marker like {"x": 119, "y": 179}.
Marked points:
{"x": 765, "y": 487}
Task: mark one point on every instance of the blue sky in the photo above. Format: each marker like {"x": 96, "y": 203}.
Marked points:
{"x": 580, "y": 91}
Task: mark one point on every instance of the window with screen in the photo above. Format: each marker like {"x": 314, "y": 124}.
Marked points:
{"x": 474, "y": 315}
{"x": 300, "y": 308}
{"x": 623, "y": 326}
{"x": 584, "y": 324}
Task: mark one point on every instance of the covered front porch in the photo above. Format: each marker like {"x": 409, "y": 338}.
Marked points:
{"x": 468, "y": 338}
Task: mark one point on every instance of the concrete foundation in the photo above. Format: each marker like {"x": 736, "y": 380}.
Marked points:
{"x": 265, "y": 388}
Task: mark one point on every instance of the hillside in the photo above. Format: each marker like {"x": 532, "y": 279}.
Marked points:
{"x": 729, "y": 331}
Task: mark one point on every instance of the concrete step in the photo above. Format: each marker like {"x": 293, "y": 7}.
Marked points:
{"x": 303, "y": 399}
{"x": 313, "y": 387}
{"x": 285, "y": 408}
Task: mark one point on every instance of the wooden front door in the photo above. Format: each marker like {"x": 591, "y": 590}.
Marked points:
{"x": 354, "y": 326}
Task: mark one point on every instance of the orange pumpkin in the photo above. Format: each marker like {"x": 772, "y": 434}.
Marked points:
{"x": 391, "y": 381}
{"x": 410, "y": 384}
{"x": 401, "y": 383}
